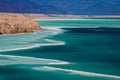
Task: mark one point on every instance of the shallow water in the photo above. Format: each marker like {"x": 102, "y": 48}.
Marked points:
{"x": 65, "y": 51}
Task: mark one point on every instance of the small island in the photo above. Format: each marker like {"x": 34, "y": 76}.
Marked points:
{"x": 11, "y": 23}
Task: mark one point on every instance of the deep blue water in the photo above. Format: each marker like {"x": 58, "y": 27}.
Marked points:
{"x": 67, "y": 53}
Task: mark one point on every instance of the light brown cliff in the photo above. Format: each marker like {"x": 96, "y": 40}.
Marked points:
{"x": 17, "y": 23}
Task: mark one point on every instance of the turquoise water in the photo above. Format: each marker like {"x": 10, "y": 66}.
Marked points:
{"x": 79, "y": 49}
{"x": 93, "y": 23}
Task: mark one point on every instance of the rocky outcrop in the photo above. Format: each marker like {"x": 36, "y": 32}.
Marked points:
{"x": 16, "y": 23}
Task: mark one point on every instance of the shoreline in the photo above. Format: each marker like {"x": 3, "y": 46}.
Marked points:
{"x": 44, "y": 16}
{"x": 16, "y": 34}
{"x": 50, "y": 18}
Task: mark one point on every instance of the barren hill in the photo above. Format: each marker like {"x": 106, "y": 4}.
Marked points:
{"x": 16, "y": 23}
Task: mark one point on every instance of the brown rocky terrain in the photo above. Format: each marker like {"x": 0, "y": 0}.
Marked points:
{"x": 17, "y": 23}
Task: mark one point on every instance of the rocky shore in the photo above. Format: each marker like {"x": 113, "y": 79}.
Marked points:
{"x": 17, "y": 23}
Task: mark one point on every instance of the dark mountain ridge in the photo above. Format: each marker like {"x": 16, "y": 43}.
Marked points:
{"x": 77, "y": 7}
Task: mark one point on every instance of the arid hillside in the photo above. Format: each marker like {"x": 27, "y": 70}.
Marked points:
{"x": 16, "y": 23}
